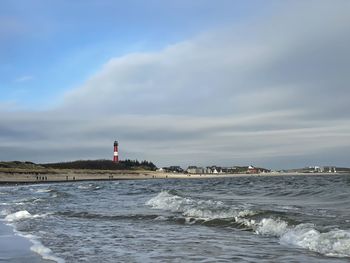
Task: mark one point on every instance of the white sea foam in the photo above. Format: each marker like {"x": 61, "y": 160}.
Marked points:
{"x": 21, "y": 215}
{"x": 89, "y": 186}
{"x": 198, "y": 209}
{"x": 39, "y": 248}
{"x": 334, "y": 243}
{"x": 18, "y": 216}
{"x": 208, "y": 214}
{"x": 167, "y": 201}
{"x": 246, "y": 212}
{"x": 84, "y": 186}
{"x": 271, "y": 227}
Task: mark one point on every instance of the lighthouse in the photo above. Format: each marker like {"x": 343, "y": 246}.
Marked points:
{"x": 115, "y": 154}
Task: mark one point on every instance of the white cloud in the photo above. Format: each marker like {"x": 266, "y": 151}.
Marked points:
{"x": 274, "y": 94}
{"x": 288, "y": 62}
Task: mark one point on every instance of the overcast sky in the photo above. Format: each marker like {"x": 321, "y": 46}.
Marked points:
{"x": 176, "y": 82}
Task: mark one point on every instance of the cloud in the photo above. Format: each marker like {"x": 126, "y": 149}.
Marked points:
{"x": 262, "y": 139}
{"x": 274, "y": 94}
{"x": 285, "y": 64}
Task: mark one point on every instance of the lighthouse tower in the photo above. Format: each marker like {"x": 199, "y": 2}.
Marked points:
{"x": 115, "y": 154}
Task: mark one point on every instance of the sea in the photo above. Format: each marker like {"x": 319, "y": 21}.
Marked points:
{"x": 240, "y": 219}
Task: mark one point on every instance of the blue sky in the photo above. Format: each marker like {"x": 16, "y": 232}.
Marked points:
{"x": 176, "y": 82}
{"x": 48, "y": 47}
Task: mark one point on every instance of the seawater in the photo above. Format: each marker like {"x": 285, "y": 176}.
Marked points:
{"x": 241, "y": 219}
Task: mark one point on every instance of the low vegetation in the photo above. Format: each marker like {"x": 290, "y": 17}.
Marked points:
{"x": 103, "y": 165}
{"x": 80, "y": 164}
{"x": 20, "y": 165}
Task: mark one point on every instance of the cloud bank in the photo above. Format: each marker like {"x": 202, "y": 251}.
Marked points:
{"x": 272, "y": 93}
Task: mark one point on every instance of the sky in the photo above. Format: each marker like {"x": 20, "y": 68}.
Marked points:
{"x": 200, "y": 82}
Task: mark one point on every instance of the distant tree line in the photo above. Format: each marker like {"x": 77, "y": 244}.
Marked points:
{"x": 103, "y": 165}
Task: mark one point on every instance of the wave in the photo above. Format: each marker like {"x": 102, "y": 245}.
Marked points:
{"x": 43, "y": 190}
{"x": 39, "y": 248}
{"x": 89, "y": 186}
{"x": 335, "y": 243}
{"x": 89, "y": 215}
{"x": 4, "y": 212}
{"x": 59, "y": 194}
{"x": 85, "y": 186}
{"x": 167, "y": 201}
{"x": 199, "y": 209}
{"x": 21, "y": 215}
{"x": 27, "y": 200}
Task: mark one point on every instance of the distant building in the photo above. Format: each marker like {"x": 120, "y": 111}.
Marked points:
{"x": 213, "y": 169}
{"x": 229, "y": 170}
{"x": 173, "y": 169}
{"x": 330, "y": 169}
{"x": 317, "y": 169}
{"x": 252, "y": 170}
{"x": 226, "y": 170}
{"x": 208, "y": 170}
{"x": 321, "y": 169}
{"x": 195, "y": 170}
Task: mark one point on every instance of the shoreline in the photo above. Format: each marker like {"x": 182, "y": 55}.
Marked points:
{"x": 15, "y": 247}
{"x": 17, "y": 176}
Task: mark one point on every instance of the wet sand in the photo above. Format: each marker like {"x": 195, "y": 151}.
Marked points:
{"x": 16, "y": 249}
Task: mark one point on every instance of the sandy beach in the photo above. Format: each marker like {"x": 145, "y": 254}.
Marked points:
{"x": 23, "y": 176}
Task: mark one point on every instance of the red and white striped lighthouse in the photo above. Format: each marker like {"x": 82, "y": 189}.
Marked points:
{"x": 115, "y": 154}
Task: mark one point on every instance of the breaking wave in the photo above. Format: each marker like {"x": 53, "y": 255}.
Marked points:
{"x": 201, "y": 209}
{"x": 21, "y": 215}
{"x": 39, "y": 248}
{"x": 335, "y": 243}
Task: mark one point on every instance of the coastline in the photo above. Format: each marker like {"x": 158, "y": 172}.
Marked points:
{"x": 16, "y": 248}
{"x": 17, "y": 176}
